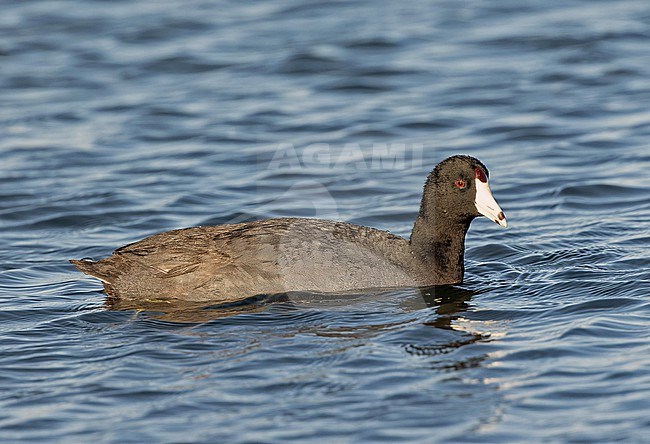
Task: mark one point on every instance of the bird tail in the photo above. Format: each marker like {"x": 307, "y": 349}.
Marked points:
{"x": 99, "y": 270}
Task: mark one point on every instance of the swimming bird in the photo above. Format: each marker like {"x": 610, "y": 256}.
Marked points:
{"x": 229, "y": 262}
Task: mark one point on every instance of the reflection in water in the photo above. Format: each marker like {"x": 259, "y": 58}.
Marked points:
{"x": 411, "y": 309}
{"x": 194, "y": 312}
{"x": 449, "y": 303}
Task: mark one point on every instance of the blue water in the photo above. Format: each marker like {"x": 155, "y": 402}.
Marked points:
{"x": 122, "y": 119}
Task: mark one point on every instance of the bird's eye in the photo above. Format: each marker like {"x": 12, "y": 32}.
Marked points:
{"x": 460, "y": 184}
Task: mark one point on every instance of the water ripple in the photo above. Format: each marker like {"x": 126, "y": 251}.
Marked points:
{"x": 120, "y": 122}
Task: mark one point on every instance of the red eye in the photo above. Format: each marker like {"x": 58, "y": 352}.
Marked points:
{"x": 460, "y": 183}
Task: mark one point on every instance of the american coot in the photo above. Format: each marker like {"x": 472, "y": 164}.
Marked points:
{"x": 229, "y": 262}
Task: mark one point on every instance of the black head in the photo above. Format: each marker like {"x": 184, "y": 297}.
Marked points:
{"x": 457, "y": 191}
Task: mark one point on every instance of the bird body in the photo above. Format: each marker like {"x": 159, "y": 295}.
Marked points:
{"x": 275, "y": 255}
{"x": 229, "y": 262}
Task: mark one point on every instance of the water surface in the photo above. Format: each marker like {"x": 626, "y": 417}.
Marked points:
{"x": 120, "y": 120}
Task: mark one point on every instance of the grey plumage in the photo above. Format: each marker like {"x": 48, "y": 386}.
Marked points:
{"x": 229, "y": 262}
